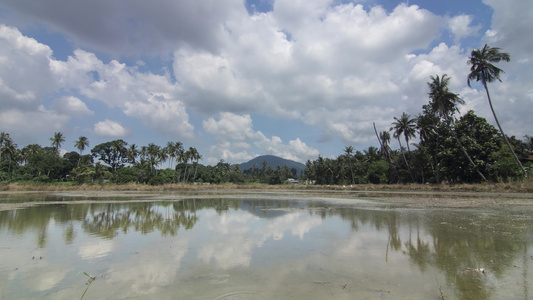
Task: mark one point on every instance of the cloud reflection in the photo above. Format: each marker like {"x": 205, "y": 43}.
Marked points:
{"x": 150, "y": 269}
{"x": 93, "y": 250}
{"x": 234, "y": 236}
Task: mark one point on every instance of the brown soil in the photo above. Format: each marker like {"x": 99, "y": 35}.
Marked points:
{"x": 482, "y": 195}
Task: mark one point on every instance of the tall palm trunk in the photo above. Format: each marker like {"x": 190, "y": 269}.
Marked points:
{"x": 195, "y": 169}
{"x": 405, "y": 159}
{"x": 387, "y": 154}
{"x": 501, "y": 130}
{"x": 185, "y": 174}
{"x": 437, "y": 167}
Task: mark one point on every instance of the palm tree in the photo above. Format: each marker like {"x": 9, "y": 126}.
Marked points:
{"x": 186, "y": 157}
{"x": 349, "y": 151}
{"x": 9, "y": 149}
{"x": 57, "y": 140}
{"x": 428, "y": 125}
{"x": 80, "y": 144}
{"x": 384, "y": 136}
{"x": 444, "y": 103}
{"x": 170, "y": 149}
{"x": 153, "y": 152}
{"x": 162, "y": 155}
{"x": 182, "y": 158}
{"x": 196, "y": 156}
{"x": 483, "y": 70}
{"x": 406, "y": 126}
{"x": 4, "y": 137}
{"x": 131, "y": 153}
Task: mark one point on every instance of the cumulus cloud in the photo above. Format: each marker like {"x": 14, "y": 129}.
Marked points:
{"x": 460, "y": 27}
{"x": 512, "y": 98}
{"x": 20, "y": 87}
{"x": 295, "y": 150}
{"x": 336, "y": 66}
{"x": 345, "y": 59}
{"x": 234, "y": 135}
{"x": 230, "y": 127}
{"x": 109, "y": 128}
{"x": 29, "y": 73}
{"x": 154, "y": 99}
{"x": 71, "y": 106}
{"x": 25, "y": 126}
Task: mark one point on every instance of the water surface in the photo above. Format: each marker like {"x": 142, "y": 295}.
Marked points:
{"x": 264, "y": 249}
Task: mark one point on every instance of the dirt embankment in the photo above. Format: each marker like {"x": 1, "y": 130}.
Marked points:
{"x": 414, "y": 195}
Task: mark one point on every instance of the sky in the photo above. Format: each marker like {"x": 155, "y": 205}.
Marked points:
{"x": 240, "y": 78}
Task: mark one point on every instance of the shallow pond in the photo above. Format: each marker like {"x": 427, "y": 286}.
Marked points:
{"x": 253, "y": 248}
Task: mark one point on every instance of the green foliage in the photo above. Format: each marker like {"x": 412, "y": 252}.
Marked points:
{"x": 126, "y": 175}
{"x": 157, "y": 180}
{"x": 113, "y": 153}
{"x": 377, "y": 172}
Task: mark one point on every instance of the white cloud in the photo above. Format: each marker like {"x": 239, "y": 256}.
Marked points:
{"x": 344, "y": 58}
{"x": 71, "y": 106}
{"x": 512, "y": 98}
{"x": 162, "y": 113}
{"x": 25, "y": 126}
{"x": 24, "y": 72}
{"x": 337, "y": 67}
{"x": 460, "y": 27}
{"x": 110, "y": 128}
{"x": 295, "y": 150}
{"x": 233, "y": 135}
{"x": 230, "y": 127}
{"x": 146, "y": 96}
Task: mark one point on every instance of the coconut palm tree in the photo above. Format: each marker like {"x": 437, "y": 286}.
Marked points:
{"x": 153, "y": 152}
{"x": 348, "y": 152}
{"x": 181, "y": 158}
{"x": 483, "y": 70}
{"x": 196, "y": 156}
{"x": 57, "y": 140}
{"x": 407, "y": 126}
{"x": 162, "y": 155}
{"x": 4, "y": 137}
{"x": 9, "y": 149}
{"x": 131, "y": 153}
{"x": 384, "y": 136}
{"x": 170, "y": 149}
{"x": 444, "y": 103}
{"x": 186, "y": 158}
{"x": 80, "y": 144}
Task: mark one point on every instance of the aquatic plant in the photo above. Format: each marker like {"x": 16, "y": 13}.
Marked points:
{"x": 88, "y": 283}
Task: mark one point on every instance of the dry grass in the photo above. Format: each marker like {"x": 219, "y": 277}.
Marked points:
{"x": 525, "y": 186}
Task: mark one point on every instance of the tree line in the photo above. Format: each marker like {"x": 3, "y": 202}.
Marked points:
{"x": 119, "y": 162}
{"x": 466, "y": 149}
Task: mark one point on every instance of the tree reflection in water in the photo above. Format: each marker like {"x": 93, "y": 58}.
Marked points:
{"x": 450, "y": 240}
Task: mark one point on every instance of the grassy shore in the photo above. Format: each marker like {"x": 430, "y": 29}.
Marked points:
{"x": 483, "y": 195}
{"x": 525, "y": 186}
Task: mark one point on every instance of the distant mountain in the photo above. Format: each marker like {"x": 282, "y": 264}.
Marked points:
{"x": 273, "y": 162}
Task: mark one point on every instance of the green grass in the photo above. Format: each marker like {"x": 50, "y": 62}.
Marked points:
{"x": 88, "y": 283}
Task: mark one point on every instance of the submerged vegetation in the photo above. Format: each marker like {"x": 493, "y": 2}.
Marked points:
{"x": 448, "y": 149}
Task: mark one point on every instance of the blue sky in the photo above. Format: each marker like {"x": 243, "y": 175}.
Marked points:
{"x": 237, "y": 79}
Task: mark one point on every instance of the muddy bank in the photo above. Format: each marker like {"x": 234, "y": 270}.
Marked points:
{"x": 408, "y": 198}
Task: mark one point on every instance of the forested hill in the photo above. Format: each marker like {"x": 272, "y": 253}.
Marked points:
{"x": 273, "y": 162}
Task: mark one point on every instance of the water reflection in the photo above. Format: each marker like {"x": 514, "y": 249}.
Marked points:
{"x": 211, "y": 248}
